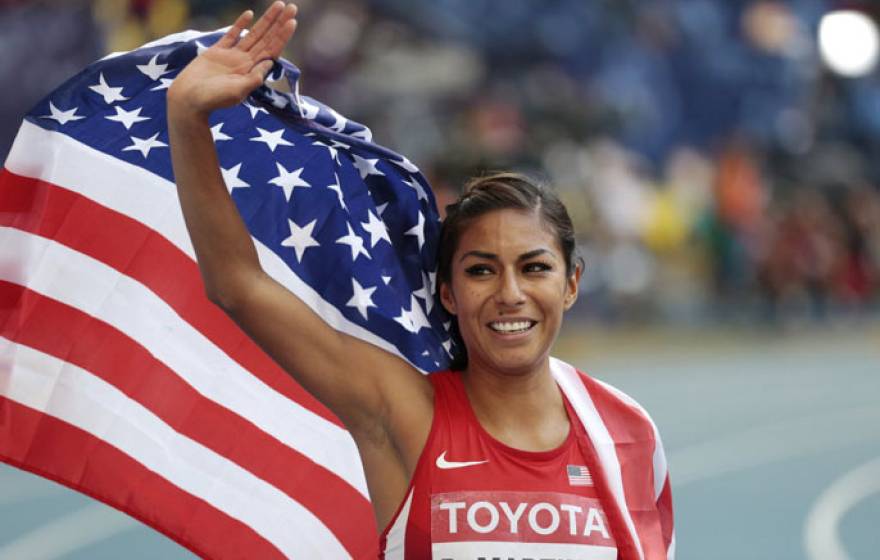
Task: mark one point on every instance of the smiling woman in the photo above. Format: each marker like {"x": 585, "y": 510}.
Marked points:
{"x": 500, "y": 456}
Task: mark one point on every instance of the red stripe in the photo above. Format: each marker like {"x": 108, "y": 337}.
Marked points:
{"x": 133, "y": 249}
{"x": 54, "y": 328}
{"x": 53, "y": 449}
{"x": 634, "y": 442}
{"x": 664, "y": 506}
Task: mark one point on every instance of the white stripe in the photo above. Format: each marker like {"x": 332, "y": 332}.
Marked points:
{"x": 659, "y": 459}
{"x": 73, "y": 395}
{"x": 569, "y": 380}
{"x": 150, "y": 200}
{"x": 80, "y": 281}
{"x": 395, "y": 540}
{"x": 494, "y": 549}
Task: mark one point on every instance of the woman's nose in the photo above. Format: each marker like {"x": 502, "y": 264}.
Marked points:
{"x": 509, "y": 291}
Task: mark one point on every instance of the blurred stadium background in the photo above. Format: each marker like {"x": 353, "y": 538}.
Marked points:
{"x": 721, "y": 159}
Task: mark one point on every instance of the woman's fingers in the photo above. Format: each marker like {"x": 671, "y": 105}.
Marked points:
{"x": 263, "y": 25}
{"x": 272, "y": 41}
{"x": 230, "y": 38}
{"x": 258, "y": 72}
{"x": 273, "y": 44}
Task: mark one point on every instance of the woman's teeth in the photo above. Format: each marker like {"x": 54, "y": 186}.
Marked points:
{"x": 511, "y": 326}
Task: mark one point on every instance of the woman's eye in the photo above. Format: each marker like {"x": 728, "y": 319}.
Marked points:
{"x": 537, "y": 267}
{"x": 478, "y": 270}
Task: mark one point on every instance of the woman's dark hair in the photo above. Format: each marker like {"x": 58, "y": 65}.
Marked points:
{"x": 500, "y": 191}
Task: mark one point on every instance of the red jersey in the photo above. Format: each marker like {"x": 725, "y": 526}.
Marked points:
{"x": 473, "y": 497}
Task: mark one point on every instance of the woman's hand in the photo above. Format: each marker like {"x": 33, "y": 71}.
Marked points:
{"x": 234, "y": 66}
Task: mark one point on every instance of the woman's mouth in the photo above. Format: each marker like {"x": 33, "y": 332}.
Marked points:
{"x": 511, "y": 327}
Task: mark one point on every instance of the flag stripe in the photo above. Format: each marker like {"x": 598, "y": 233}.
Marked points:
{"x": 82, "y": 282}
{"x": 75, "y": 396}
{"x": 55, "y": 449}
{"x": 660, "y": 467}
{"x": 570, "y": 382}
{"x": 636, "y": 465}
{"x": 64, "y": 332}
{"x": 126, "y": 245}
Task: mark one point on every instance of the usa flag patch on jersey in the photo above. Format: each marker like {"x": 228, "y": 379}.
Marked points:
{"x": 579, "y": 475}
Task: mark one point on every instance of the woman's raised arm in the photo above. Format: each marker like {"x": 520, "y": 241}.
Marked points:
{"x": 356, "y": 380}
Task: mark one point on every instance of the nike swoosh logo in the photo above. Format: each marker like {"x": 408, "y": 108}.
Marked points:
{"x": 442, "y": 463}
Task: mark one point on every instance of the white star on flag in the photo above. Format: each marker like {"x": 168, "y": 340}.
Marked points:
{"x": 289, "y": 180}
{"x": 231, "y": 178}
{"x": 381, "y": 209}
{"x": 333, "y": 148}
{"x": 413, "y": 319}
{"x": 278, "y": 99}
{"x": 217, "y": 133}
{"x": 386, "y": 279}
{"x": 144, "y": 145}
{"x": 405, "y": 163}
{"x": 405, "y": 320}
{"x": 110, "y": 94}
{"x": 337, "y": 188}
{"x": 63, "y": 117}
{"x": 307, "y": 110}
{"x": 271, "y": 139}
{"x": 356, "y": 242}
{"x": 254, "y": 109}
{"x": 416, "y": 186}
{"x": 152, "y": 69}
{"x": 418, "y": 230}
{"x": 377, "y": 229}
{"x": 301, "y": 238}
{"x": 339, "y": 121}
{"x": 418, "y": 317}
{"x": 447, "y": 345}
{"x": 366, "y": 135}
{"x": 426, "y": 292}
{"x": 164, "y": 83}
{"x": 362, "y": 298}
{"x": 127, "y": 118}
{"x": 365, "y": 166}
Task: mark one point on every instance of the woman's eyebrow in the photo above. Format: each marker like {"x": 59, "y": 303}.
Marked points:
{"x": 532, "y": 254}
{"x": 479, "y": 255}
{"x": 493, "y": 257}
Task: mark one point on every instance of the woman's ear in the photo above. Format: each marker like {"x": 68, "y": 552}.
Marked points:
{"x": 571, "y": 285}
{"x": 446, "y": 298}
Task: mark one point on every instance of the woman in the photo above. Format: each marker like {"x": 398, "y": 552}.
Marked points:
{"x": 487, "y": 460}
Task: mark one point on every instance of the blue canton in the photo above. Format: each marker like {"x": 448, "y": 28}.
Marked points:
{"x": 355, "y": 221}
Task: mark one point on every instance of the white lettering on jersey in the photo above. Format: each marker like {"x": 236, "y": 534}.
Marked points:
{"x": 572, "y": 511}
{"x": 554, "y": 518}
{"x": 547, "y": 517}
{"x": 594, "y": 523}
{"x": 453, "y": 516}
{"x": 513, "y": 516}
{"x": 472, "y": 517}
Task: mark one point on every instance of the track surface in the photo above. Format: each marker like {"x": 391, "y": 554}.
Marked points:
{"x": 773, "y": 443}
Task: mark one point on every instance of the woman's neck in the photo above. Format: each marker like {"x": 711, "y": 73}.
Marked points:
{"x": 523, "y": 410}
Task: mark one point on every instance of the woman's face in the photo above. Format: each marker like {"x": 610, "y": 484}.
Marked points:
{"x": 509, "y": 290}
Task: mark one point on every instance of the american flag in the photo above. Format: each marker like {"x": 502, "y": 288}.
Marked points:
{"x": 579, "y": 475}
{"x": 119, "y": 379}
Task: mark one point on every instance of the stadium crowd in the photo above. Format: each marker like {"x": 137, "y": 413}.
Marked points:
{"x": 715, "y": 169}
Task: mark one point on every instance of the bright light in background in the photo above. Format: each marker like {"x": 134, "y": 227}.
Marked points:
{"x": 849, "y": 43}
